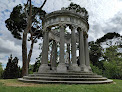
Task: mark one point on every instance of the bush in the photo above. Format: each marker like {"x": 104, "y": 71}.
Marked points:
{"x": 12, "y": 70}
{"x": 112, "y": 70}
{"x": 1, "y": 70}
{"x": 36, "y": 66}
{"x": 95, "y": 69}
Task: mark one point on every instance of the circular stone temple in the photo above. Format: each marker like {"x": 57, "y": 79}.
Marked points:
{"x": 71, "y": 68}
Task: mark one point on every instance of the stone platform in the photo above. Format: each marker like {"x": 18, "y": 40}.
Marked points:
{"x": 66, "y": 78}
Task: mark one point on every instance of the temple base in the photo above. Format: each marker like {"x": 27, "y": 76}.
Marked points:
{"x": 44, "y": 68}
{"x": 66, "y": 78}
{"x": 61, "y": 68}
{"x": 84, "y": 68}
{"x": 75, "y": 67}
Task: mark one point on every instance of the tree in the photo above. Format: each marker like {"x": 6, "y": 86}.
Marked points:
{"x": 113, "y": 62}
{"x": 24, "y": 22}
{"x": 108, "y": 39}
{"x": 1, "y": 70}
{"x": 12, "y": 70}
{"x": 107, "y": 61}
{"x": 79, "y": 9}
{"x": 97, "y": 51}
{"x": 37, "y": 64}
{"x": 95, "y": 54}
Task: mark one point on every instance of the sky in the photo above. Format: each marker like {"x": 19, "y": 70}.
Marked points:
{"x": 104, "y": 16}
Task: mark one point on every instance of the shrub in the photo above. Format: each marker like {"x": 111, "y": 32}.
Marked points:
{"x": 12, "y": 70}
{"x": 95, "y": 69}
{"x": 1, "y": 70}
{"x": 112, "y": 70}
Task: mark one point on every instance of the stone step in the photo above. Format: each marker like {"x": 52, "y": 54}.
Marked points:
{"x": 64, "y": 76}
{"x": 64, "y": 79}
{"x": 66, "y": 82}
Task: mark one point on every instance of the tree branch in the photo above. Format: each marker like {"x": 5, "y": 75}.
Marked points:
{"x": 30, "y": 51}
{"x": 30, "y": 9}
{"x": 43, "y": 4}
{"x": 37, "y": 35}
{"x": 26, "y": 10}
{"x": 39, "y": 8}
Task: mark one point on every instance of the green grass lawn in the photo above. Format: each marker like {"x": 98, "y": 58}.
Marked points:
{"x": 12, "y": 85}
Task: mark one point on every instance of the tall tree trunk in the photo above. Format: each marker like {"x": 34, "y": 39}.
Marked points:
{"x": 24, "y": 48}
{"x": 26, "y": 59}
{"x": 24, "y": 55}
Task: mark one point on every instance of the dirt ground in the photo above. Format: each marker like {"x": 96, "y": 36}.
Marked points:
{"x": 16, "y": 83}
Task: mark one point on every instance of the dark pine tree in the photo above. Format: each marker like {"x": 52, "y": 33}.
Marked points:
{"x": 12, "y": 70}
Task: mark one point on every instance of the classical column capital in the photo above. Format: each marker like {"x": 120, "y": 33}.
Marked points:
{"x": 85, "y": 35}
{"x": 73, "y": 27}
{"x": 81, "y": 29}
{"x": 47, "y": 29}
{"x": 62, "y": 25}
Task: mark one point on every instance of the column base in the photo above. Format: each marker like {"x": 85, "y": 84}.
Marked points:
{"x": 84, "y": 68}
{"x": 75, "y": 67}
{"x": 89, "y": 68}
{"x": 54, "y": 68}
{"x": 61, "y": 68}
{"x": 44, "y": 68}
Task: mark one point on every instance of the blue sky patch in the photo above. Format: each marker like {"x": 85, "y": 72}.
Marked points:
{"x": 0, "y": 34}
{"x": 7, "y": 10}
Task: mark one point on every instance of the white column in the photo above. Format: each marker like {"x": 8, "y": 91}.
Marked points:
{"x": 44, "y": 62}
{"x": 61, "y": 67}
{"x": 81, "y": 52}
{"x": 87, "y": 53}
{"x": 75, "y": 66}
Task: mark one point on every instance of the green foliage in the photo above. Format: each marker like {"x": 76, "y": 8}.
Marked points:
{"x": 95, "y": 53}
{"x": 1, "y": 70}
{"x": 108, "y": 60}
{"x": 37, "y": 63}
{"x": 112, "y": 70}
{"x": 30, "y": 71}
{"x": 112, "y": 53}
{"x": 36, "y": 66}
{"x": 79, "y": 9}
{"x": 12, "y": 70}
{"x": 113, "y": 64}
{"x": 108, "y": 36}
{"x": 96, "y": 69}
{"x": 17, "y": 23}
